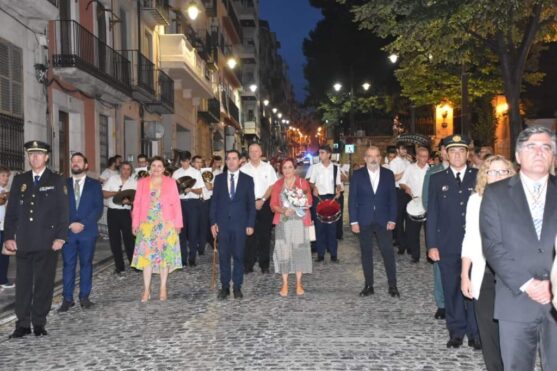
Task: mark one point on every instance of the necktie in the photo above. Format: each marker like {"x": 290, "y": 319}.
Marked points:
{"x": 36, "y": 180}
{"x": 232, "y": 186}
{"x": 537, "y": 209}
{"x": 458, "y": 179}
{"x": 77, "y": 192}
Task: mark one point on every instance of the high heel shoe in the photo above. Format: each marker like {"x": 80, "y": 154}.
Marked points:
{"x": 164, "y": 294}
{"x": 284, "y": 291}
{"x": 146, "y": 296}
{"x": 299, "y": 289}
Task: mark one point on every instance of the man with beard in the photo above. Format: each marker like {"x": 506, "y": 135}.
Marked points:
{"x": 36, "y": 226}
{"x": 85, "y": 208}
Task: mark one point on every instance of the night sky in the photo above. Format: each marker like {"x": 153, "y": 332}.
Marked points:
{"x": 292, "y": 20}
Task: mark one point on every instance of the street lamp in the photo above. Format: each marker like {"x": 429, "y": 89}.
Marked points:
{"x": 393, "y": 58}
{"x": 266, "y": 102}
{"x": 231, "y": 63}
{"x": 193, "y": 11}
{"x": 253, "y": 88}
{"x": 337, "y": 86}
{"x": 366, "y": 86}
{"x": 279, "y": 115}
{"x": 274, "y": 110}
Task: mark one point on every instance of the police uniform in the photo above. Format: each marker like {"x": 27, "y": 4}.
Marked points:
{"x": 36, "y": 216}
{"x": 446, "y": 220}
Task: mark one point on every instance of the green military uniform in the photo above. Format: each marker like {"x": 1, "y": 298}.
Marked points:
{"x": 36, "y": 216}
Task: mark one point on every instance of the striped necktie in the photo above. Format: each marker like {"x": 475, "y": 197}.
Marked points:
{"x": 537, "y": 208}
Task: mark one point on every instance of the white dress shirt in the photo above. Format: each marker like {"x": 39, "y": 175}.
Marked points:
{"x": 195, "y": 174}
{"x": 264, "y": 176}
{"x": 229, "y": 176}
{"x": 554, "y": 278}
{"x": 115, "y": 184}
{"x": 414, "y": 178}
{"x": 3, "y": 208}
{"x": 374, "y": 178}
{"x": 472, "y": 243}
{"x": 40, "y": 175}
{"x": 398, "y": 165}
{"x": 107, "y": 173}
{"x": 322, "y": 178}
{"x": 462, "y": 172}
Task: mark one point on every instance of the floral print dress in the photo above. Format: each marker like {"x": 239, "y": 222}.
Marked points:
{"x": 157, "y": 244}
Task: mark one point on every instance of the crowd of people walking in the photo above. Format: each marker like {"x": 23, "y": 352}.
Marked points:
{"x": 490, "y": 229}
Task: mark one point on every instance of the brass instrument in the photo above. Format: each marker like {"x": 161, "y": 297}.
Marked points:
{"x": 142, "y": 174}
{"x": 214, "y": 264}
{"x": 207, "y": 176}
{"x": 184, "y": 183}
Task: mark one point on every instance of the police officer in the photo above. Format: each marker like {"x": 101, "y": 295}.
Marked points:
{"x": 449, "y": 191}
{"x": 36, "y": 228}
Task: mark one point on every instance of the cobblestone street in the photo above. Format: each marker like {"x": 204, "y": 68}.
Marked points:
{"x": 330, "y": 328}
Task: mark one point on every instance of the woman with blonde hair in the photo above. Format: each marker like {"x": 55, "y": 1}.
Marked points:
{"x": 480, "y": 283}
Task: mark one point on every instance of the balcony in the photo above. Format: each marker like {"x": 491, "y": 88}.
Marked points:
{"x": 164, "y": 102}
{"x": 251, "y": 128}
{"x": 83, "y": 60}
{"x": 143, "y": 76}
{"x": 155, "y": 12}
{"x": 231, "y": 110}
{"x": 45, "y": 10}
{"x": 209, "y": 111}
{"x": 183, "y": 62}
{"x": 231, "y": 22}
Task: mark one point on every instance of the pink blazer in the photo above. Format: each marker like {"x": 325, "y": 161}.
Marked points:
{"x": 276, "y": 203}
{"x": 170, "y": 202}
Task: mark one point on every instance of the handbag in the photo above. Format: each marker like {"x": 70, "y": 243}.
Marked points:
{"x": 311, "y": 233}
{"x": 7, "y": 252}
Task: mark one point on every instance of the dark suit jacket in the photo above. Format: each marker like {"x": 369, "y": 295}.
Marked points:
{"x": 237, "y": 213}
{"x": 365, "y": 206}
{"x": 512, "y": 248}
{"x": 446, "y": 211}
{"x": 90, "y": 207}
{"x": 36, "y": 216}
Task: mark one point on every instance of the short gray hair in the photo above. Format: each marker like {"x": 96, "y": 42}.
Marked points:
{"x": 532, "y": 130}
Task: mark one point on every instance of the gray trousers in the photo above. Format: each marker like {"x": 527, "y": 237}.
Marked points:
{"x": 519, "y": 343}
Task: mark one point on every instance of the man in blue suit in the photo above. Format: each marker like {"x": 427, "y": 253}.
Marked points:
{"x": 449, "y": 191}
{"x": 372, "y": 206}
{"x": 86, "y": 207}
{"x": 232, "y": 217}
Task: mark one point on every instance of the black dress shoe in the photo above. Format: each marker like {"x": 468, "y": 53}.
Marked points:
{"x": 367, "y": 291}
{"x": 191, "y": 263}
{"x": 454, "y": 342}
{"x": 393, "y": 291}
{"x": 400, "y": 251}
{"x": 238, "y": 294}
{"x": 475, "y": 343}
{"x": 320, "y": 259}
{"x": 440, "y": 314}
{"x": 248, "y": 270}
{"x": 223, "y": 294}
{"x": 39, "y": 330}
{"x": 414, "y": 261}
{"x": 265, "y": 270}
{"x": 20, "y": 332}
{"x": 334, "y": 259}
{"x": 66, "y": 305}
{"x": 86, "y": 303}
{"x": 201, "y": 252}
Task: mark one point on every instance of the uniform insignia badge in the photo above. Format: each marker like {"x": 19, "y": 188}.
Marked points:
{"x": 457, "y": 138}
{"x": 65, "y": 190}
{"x": 445, "y": 188}
{"x": 23, "y": 188}
{"x": 35, "y": 144}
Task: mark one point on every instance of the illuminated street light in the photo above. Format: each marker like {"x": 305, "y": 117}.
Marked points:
{"x": 193, "y": 11}
{"x": 231, "y": 63}
{"x": 274, "y": 110}
{"x": 253, "y": 88}
{"x": 393, "y": 58}
{"x": 337, "y": 86}
{"x": 279, "y": 115}
{"x": 366, "y": 86}
{"x": 266, "y": 102}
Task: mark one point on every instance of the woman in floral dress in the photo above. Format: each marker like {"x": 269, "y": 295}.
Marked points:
{"x": 290, "y": 201}
{"x": 156, "y": 222}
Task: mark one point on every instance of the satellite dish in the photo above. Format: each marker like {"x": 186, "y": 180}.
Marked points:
{"x": 154, "y": 130}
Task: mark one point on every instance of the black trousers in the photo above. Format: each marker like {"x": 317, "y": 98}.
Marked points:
{"x": 120, "y": 227}
{"x": 385, "y": 242}
{"x": 488, "y": 327}
{"x": 189, "y": 236}
{"x": 258, "y": 245}
{"x": 340, "y": 224}
{"x": 34, "y": 286}
{"x": 412, "y": 232}
{"x": 402, "y": 199}
{"x": 204, "y": 228}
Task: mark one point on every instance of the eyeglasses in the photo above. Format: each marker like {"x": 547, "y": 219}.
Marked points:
{"x": 498, "y": 172}
{"x": 532, "y": 147}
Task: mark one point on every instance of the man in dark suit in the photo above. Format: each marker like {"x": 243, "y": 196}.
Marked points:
{"x": 86, "y": 207}
{"x": 518, "y": 223}
{"x": 449, "y": 191}
{"x": 232, "y": 218}
{"x": 36, "y": 227}
{"x": 372, "y": 206}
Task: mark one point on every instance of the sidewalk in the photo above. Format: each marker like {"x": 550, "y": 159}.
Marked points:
{"x": 7, "y": 296}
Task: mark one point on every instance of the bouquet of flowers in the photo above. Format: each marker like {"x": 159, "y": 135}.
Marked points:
{"x": 296, "y": 199}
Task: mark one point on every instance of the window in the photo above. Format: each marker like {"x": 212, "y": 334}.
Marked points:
{"x": 11, "y": 106}
{"x": 103, "y": 141}
{"x": 250, "y": 115}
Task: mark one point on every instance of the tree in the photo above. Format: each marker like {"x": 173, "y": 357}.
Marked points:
{"x": 454, "y": 31}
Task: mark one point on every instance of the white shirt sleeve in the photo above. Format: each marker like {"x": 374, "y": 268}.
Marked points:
{"x": 198, "y": 181}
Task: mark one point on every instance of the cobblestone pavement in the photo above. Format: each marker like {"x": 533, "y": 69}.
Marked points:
{"x": 330, "y": 328}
